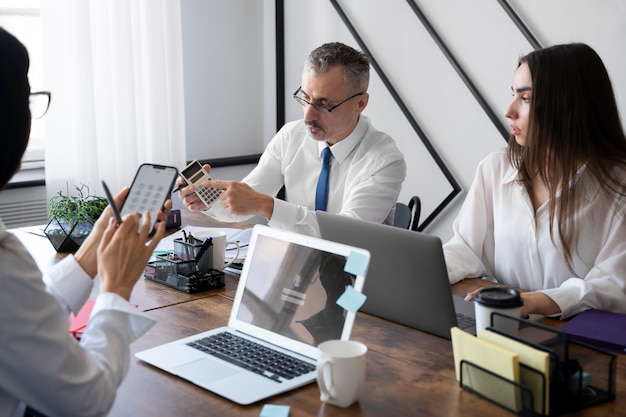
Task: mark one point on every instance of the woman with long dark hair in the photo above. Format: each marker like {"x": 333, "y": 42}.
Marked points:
{"x": 547, "y": 214}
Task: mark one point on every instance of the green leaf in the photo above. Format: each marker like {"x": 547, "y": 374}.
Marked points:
{"x": 82, "y": 207}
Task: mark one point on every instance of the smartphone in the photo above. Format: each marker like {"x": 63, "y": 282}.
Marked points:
{"x": 149, "y": 191}
{"x": 194, "y": 174}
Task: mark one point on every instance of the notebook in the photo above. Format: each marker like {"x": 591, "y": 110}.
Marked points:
{"x": 407, "y": 278}
{"x": 286, "y": 301}
{"x": 78, "y": 323}
{"x": 602, "y": 329}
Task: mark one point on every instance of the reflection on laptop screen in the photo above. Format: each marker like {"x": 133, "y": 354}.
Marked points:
{"x": 292, "y": 290}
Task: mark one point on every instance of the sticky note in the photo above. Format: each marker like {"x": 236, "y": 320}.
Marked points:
{"x": 273, "y": 410}
{"x": 356, "y": 264}
{"x": 533, "y": 358}
{"x": 496, "y": 359}
{"x": 351, "y": 299}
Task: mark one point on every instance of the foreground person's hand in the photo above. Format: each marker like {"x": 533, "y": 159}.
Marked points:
{"x": 123, "y": 253}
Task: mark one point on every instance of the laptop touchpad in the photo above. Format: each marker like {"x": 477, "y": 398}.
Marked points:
{"x": 205, "y": 371}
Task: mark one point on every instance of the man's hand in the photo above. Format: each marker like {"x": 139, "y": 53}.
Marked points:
{"x": 239, "y": 198}
{"x": 188, "y": 194}
{"x": 236, "y": 197}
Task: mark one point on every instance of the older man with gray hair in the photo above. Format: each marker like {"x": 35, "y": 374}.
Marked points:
{"x": 332, "y": 159}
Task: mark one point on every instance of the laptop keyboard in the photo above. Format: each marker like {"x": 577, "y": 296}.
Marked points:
{"x": 464, "y": 321}
{"x": 252, "y": 356}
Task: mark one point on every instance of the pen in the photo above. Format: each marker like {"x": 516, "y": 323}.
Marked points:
{"x": 116, "y": 212}
{"x": 208, "y": 242}
{"x": 180, "y": 187}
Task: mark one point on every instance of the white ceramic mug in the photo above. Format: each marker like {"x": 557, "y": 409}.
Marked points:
{"x": 219, "y": 247}
{"x": 503, "y": 300}
{"x": 341, "y": 371}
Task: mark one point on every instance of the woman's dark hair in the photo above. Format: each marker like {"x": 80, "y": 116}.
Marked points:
{"x": 573, "y": 124}
{"x": 14, "y": 110}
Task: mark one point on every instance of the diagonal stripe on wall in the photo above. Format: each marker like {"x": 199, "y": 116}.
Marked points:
{"x": 456, "y": 188}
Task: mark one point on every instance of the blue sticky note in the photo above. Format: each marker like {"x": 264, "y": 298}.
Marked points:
{"x": 351, "y": 299}
{"x": 356, "y": 264}
{"x": 273, "y": 410}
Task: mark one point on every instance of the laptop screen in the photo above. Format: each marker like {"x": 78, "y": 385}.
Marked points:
{"x": 291, "y": 289}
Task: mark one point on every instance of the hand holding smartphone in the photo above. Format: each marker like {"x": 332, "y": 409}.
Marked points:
{"x": 195, "y": 175}
{"x": 149, "y": 191}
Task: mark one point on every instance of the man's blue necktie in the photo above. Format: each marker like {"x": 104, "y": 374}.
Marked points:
{"x": 321, "y": 194}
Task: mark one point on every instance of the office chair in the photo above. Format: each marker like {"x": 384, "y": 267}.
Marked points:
{"x": 408, "y": 216}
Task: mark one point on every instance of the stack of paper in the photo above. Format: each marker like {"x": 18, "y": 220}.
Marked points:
{"x": 78, "y": 323}
{"x": 531, "y": 357}
{"x": 491, "y": 357}
{"x": 502, "y": 356}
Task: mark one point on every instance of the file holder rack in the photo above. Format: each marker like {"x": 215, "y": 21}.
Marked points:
{"x": 182, "y": 271}
{"x": 513, "y": 396}
{"x": 580, "y": 375}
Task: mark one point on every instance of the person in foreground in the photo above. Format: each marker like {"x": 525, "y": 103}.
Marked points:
{"x": 366, "y": 167}
{"x": 41, "y": 365}
{"x": 547, "y": 214}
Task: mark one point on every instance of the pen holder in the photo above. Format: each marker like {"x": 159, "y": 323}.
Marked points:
{"x": 188, "y": 268}
{"x": 188, "y": 251}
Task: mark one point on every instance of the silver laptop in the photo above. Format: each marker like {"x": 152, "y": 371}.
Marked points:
{"x": 407, "y": 279}
{"x": 285, "y": 305}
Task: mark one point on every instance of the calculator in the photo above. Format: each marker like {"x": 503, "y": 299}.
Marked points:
{"x": 194, "y": 174}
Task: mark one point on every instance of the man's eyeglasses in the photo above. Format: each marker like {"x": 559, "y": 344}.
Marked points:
{"x": 39, "y": 102}
{"x": 320, "y": 107}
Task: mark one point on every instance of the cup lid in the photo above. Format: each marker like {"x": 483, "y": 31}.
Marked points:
{"x": 499, "y": 297}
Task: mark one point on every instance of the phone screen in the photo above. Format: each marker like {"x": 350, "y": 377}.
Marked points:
{"x": 149, "y": 191}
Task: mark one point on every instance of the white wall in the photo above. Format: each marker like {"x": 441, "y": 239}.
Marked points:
{"x": 224, "y": 55}
{"x": 479, "y": 33}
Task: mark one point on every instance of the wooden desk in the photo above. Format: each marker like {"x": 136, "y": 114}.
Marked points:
{"x": 409, "y": 373}
{"x": 147, "y": 294}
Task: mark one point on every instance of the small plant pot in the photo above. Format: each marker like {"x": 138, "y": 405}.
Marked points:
{"x": 66, "y": 237}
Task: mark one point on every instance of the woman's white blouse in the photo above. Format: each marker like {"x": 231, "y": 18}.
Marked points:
{"x": 495, "y": 235}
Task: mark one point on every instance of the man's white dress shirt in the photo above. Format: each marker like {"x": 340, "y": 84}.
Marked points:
{"x": 366, "y": 175}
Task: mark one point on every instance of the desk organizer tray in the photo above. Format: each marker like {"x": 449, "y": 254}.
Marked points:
{"x": 182, "y": 276}
{"x": 187, "y": 268}
{"x": 580, "y": 375}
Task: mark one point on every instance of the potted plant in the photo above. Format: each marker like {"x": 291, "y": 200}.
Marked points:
{"x": 72, "y": 217}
